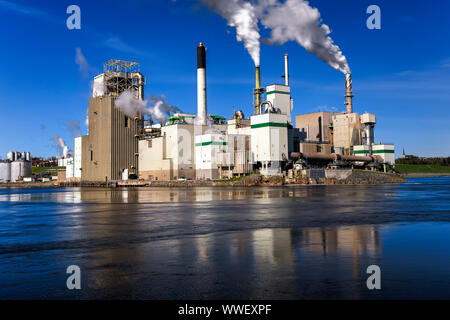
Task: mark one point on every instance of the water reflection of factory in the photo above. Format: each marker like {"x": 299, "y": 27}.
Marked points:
{"x": 282, "y": 246}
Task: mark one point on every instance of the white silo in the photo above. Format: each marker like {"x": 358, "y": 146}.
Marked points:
{"x": 5, "y": 171}
{"x": 20, "y": 169}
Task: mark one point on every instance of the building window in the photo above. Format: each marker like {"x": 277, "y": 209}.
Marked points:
{"x": 92, "y": 155}
{"x": 125, "y": 123}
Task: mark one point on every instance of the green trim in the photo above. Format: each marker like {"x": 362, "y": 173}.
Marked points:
{"x": 269, "y": 124}
{"x": 383, "y": 151}
{"x": 374, "y": 151}
{"x": 208, "y": 143}
{"x": 275, "y": 91}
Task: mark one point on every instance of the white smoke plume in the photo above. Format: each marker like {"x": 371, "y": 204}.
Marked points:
{"x": 291, "y": 20}
{"x": 296, "y": 20}
{"x": 241, "y": 15}
{"x": 156, "y": 106}
{"x": 83, "y": 65}
{"x": 63, "y": 149}
{"x": 86, "y": 121}
{"x": 98, "y": 88}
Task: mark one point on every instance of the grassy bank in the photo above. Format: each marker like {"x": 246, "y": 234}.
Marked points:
{"x": 421, "y": 168}
{"x": 37, "y": 170}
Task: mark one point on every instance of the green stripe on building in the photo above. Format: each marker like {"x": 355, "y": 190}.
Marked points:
{"x": 383, "y": 151}
{"x": 269, "y": 124}
{"x": 282, "y": 92}
{"x": 208, "y": 143}
{"x": 373, "y": 152}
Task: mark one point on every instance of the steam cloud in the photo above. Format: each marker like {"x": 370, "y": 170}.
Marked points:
{"x": 63, "y": 149}
{"x": 292, "y": 20}
{"x": 295, "y": 20}
{"x": 156, "y": 106}
{"x": 98, "y": 88}
{"x": 83, "y": 65}
{"x": 242, "y": 16}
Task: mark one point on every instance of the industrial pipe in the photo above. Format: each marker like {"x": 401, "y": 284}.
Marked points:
{"x": 333, "y": 157}
{"x": 140, "y": 78}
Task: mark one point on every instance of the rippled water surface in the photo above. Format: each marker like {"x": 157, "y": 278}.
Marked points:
{"x": 303, "y": 242}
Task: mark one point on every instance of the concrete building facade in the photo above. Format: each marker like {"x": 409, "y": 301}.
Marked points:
{"x": 171, "y": 155}
{"x": 110, "y": 150}
{"x": 207, "y": 150}
{"x": 315, "y": 127}
{"x": 347, "y": 132}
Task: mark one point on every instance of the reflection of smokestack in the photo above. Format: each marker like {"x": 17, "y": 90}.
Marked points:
{"x": 258, "y": 90}
{"x": 201, "y": 84}
{"x": 349, "y": 95}
{"x": 286, "y": 70}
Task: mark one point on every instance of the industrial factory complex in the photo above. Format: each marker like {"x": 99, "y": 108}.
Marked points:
{"x": 203, "y": 146}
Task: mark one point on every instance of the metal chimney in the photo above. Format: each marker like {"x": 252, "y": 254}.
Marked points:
{"x": 286, "y": 70}
{"x": 349, "y": 95}
{"x": 201, "y": 84}
{"x": 258, "y": 90}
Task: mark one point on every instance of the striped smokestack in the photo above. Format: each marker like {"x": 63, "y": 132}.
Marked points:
{"x": 348, "y": 94}
{"x": 201, "y": 84}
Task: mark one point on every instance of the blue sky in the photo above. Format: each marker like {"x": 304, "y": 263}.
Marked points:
{"x": 401, "y": 72}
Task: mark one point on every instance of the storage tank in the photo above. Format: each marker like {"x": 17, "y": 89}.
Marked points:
{"x": 11, "y": 156}
{"x": 20, "y": 169}
{"x": 5, "y": 171}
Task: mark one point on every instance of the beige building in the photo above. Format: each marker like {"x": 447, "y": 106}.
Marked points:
{"x": 110, "y": 150}
{"x": 347, "y": 132}
{"x": 315, "y": 126}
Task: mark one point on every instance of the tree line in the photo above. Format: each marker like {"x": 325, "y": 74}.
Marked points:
{"x": 420, "y": 160}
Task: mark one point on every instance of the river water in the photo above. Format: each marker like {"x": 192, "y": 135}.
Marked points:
{"x": 291, "y": 242}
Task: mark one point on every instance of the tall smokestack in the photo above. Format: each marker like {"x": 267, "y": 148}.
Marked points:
{"x": 201, "y": 84}
{"x": 258, "y": 90}
{"x": 349, "y": 95}
{"x": 286, "y": 70}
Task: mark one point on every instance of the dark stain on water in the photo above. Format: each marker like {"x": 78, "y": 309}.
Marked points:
{"x": 302, "y": 242}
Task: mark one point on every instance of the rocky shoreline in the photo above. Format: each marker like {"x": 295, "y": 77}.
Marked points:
{"x": 332, "y": 178}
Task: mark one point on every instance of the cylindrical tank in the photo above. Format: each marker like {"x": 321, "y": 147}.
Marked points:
{"x": 5, "y": 171}
{"x": 27, "y": 169}
{"x": 28, "y": 156}
{"x": 11, "y": 156}
{"x": 20, "y": 169}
